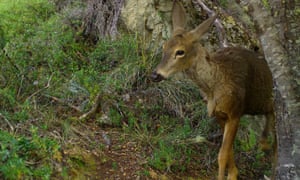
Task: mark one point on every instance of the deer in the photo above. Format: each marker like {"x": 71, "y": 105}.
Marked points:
{"x": 234, "y": 81}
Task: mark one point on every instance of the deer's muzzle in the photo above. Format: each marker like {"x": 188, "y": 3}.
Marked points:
{"x": 155, "y": 77}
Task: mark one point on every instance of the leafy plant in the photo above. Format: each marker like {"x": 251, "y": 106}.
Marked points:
{"x": 223, "y": 3}
{"x": 266, "y": 4}
{"x": 17, "y": 153}
{"x": 163, "y": 157}
{"x": 249, "y": 143}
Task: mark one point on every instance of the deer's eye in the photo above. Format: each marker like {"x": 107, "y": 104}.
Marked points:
{"x": 179, "y": 53}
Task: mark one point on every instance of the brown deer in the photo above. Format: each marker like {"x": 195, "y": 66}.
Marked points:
{"x": 234, "y": 81}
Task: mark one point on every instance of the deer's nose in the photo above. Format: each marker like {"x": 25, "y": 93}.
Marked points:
{"x": 155, "y": 77}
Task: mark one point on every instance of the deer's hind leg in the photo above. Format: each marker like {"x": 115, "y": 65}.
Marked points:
{"x": 269, "y": 127}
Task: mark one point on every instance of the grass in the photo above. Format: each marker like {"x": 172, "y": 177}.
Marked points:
{"x": 49, "y": 76}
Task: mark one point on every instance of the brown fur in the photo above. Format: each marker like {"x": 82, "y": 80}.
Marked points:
{"x": 234, "y": 81}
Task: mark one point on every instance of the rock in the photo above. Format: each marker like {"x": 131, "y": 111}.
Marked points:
{"x": 151, "y": 20}
{"x": 148, "y": 18}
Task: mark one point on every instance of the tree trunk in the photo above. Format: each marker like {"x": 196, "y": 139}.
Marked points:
{"x": 281, "y": 47}
{"x": 102, "y": 18}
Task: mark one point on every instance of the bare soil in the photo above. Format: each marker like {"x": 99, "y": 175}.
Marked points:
{"x": 96, "y": 152}
{"x": 107, "y": 153}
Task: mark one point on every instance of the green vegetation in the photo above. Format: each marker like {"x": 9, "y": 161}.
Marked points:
{"x": 49, "y": 76}
{"x": 19, "y": 154}
{"x": 223, "y": 3}
{"x": 266, "y": 4}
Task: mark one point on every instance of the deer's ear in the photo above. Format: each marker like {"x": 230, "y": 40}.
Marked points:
{"x": 197, "y": 33}
{"x": 178, "y": 16}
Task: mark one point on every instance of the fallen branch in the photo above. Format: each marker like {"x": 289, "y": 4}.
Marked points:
{"x": 65, "y": 103}
{"x": 40, "y": 90}
{"x": 86, "y": 138}
{"x": 217, "y": 23}
{"x": 94, "y": 109}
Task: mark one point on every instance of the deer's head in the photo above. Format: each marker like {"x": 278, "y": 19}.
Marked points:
{"x": 180, "y": 51}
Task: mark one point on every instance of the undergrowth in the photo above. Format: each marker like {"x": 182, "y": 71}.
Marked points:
{"x": 50, "y": 75}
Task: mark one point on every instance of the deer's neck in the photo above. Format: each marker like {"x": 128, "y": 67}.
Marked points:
{"x": 203, "y": 72}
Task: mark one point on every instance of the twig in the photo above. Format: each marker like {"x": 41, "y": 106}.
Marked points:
{"x": 217, "y": 23}
{"x": 78, "y": 132}
{"x": 195, "y": 140}
{"x": 7, "y": 121}
{"x": 63, "y": 102}
{"x": 21, "y": 84}
{"x": 94, "y": 109}
{"x": 38, "y": 91}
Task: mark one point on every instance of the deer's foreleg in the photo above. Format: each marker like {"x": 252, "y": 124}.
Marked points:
{"x": 226, "y": 155}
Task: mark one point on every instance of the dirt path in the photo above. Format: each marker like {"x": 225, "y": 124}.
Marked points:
{"x": 105, "y": 153}
{"x": 94, "y": 152}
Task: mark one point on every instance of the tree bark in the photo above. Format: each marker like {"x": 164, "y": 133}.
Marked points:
{"x": 102, "y": 18}
{"x": 272, "y": 29}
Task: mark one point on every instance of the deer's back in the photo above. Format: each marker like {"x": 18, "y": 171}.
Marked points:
{"x": 248, "y": 70}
